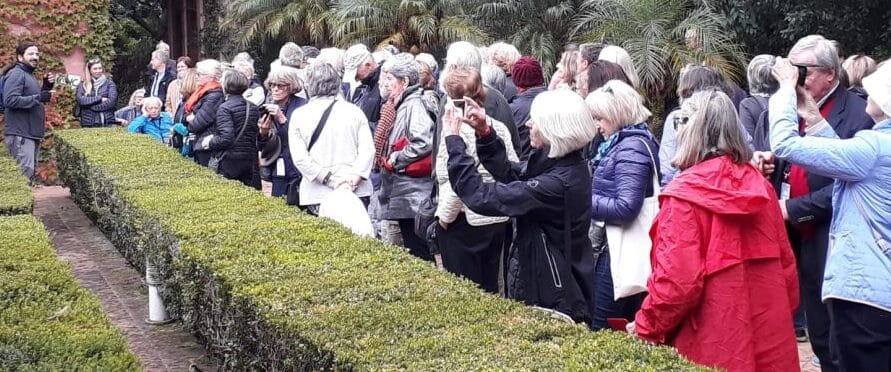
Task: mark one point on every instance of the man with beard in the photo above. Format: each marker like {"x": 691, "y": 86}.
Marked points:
{"x": 23, "y": 99}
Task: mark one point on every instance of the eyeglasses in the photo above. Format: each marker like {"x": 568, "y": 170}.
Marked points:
{"x": 277, "y": 86}
{"x": 680, "y": 120}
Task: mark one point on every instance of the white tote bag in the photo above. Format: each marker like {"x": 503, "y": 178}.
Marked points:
{"x": 630, "y": 245}
{"x": 345, "y": 207}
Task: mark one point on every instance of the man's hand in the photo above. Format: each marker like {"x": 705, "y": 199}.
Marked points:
{"x": 785, "y": 72}
{"x": 475, "y": 116}
{"x": 807, "y": 106}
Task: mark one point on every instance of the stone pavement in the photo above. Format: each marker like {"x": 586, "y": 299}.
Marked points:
{"x": 102, "y": 270}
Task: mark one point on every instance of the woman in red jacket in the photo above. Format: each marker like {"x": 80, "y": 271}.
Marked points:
{"x": 724, "y": 286}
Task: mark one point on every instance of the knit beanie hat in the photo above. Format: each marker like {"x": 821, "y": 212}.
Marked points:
{"x": 878, "y": 86}
{"x": 527, "y": 73}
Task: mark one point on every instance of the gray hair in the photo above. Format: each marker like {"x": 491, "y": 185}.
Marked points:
{"x": 246, "y": 67}
{"x": 210, "y": 67}
{"x": 291, "y": 55}
{"x": 712, "y": 128}
{"x": 161, "y": 55}
{"x": 462, "y": 53}
{"x": 285, "y": 75}
{"x": 825, "y": 54}
{"x": 243, "y": 57}
{"x": 494, "y": 77}
{"x": 161, "y": 45}
{"x": 333, "y": 57}
{"x": 403, "y": 67}
{"x": 429, "y": 59}
{"x": 504, "y": 51}
{"x": 761, "y": 80}
{"x": 234, "y": 82}
{"x": 322, "y": 80}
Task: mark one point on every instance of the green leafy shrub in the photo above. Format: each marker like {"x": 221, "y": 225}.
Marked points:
{"x": 269, "y": 288}
{"x": 15, "y": 193}
{"x": 47, "y": 321}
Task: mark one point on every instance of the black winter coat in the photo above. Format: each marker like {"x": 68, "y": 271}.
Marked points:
{"x": 520, "y": 107}
{"x": 229, "y": 123}
{"x": 205, "y": 112}
{"x": 24, "y": 114}
{"x": 368, "y": 97}
{"x": 94, "y": 112}
{"x": 550, "y": 265}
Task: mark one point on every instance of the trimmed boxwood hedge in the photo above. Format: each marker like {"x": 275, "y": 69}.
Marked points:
{"x": 15, "y": 192}
{"x": 47, "y": 321}
{"x": 267, "y": 287}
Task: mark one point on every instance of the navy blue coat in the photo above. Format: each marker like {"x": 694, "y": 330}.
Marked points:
{"x": 94, "y": 112}
{"x": 25, "y": 115}
{"x": 551, "y": 263}
{"x": 230, "y": 121}
{"x": 520, "y": 108}
{"x": 750, "y": 110}
{"x": 281, "y": 130}
{"x": 368, "y": 97}
{"x": 205, "y": 112}
{"x": 624, "y": 177}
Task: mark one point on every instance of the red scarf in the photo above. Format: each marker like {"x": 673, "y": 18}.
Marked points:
{"x": 202, "y": 90}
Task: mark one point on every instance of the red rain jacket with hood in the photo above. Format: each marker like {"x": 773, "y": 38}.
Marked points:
{"x": 724, "y": 285}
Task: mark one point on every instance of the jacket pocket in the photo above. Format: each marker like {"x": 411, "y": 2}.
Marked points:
{"x": 552, "y": 262}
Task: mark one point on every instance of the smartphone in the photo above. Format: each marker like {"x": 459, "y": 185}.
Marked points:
{"x": 802, "y": 74}
{"x": 459, "y": 104}
{"x": 617, "y": 324}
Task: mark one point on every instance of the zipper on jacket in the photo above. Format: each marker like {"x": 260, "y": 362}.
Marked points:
{"x": 552, "y": 264}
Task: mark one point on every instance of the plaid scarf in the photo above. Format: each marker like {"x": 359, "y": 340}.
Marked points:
{"x": 382, "y": 132}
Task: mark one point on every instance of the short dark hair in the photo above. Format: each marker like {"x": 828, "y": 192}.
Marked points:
{"x": 697, "y": 77}
{"x": 600, "y": 72}
{"x": 187, "y": 60}
{"x": 590, "y": 52}
{"x": 234, "y": 82}
{"x": 23, "y": 46}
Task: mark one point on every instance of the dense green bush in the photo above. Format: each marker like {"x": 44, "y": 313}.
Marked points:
{"x": 15, "y": 193}
{"x": 267, "y": 287}
{"x": 47, "y": 321}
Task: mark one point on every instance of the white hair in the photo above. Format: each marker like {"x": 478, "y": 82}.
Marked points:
{"x": 563, "y": 120}
{"x": 333, "y": 57}
{"x": 403, "y": 67}
{"x": 209, "y": 67}
{"x": 462, "y": 53}
{"x": 825, "y": 54}
{"x": 428, "y": 59}
{"x": 619, "y": 56}
{"x": 148, "y": 101}
{"x": 618, "y": 103}
{"x": 505, "y": 52}
{"x": 244, "y": 66}
{"x": 291, "y": 54}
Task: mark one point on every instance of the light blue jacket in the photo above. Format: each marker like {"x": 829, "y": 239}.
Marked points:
{"x": 158, "y": 128}
{"x": 858, "y": 266}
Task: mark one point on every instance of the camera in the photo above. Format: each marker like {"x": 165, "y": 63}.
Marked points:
{"x": 263, "y": 111}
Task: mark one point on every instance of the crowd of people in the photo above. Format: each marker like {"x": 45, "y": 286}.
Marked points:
{"x": 758, "y": 218}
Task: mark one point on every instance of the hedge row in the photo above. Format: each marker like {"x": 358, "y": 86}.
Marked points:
{"x": 267, "y": 287}
{"x": 15, "y": 192}
{"x": 47, "y": 321}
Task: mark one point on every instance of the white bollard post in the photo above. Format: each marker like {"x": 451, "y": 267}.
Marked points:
{"x": 157, "y": 312}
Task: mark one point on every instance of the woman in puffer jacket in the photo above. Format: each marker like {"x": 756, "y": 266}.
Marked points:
{"x": 623, "y": 167}
{"x": 233, "y": 141}
{"x": 96, "y": 96}
{"x": 470, "y": 243}
{"x": 201, "y": 107}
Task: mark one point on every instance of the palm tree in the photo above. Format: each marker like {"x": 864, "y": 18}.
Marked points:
{"x": 538, "y": 27}
{"x": 422, "y": 25}
{"x": 305, "y": 21}
{"x": 654, "y": 34}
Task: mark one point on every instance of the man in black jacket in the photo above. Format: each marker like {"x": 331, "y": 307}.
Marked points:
{"x": 23, "y": 99}
{"x": 359, "y": 64}
{"x": 156, "y": 83}
{"x": 806, "y": 199}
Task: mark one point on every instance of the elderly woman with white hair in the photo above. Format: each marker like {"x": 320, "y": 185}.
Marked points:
{"x": 761, "y": 85}
{"x": 550, "y": 263}
{"x": 329, "y": 141}
{"x": 255, "y": 93}
{"x": 504, "y": 56}
{"x": 403, "y": 142}
{"x": 201, "y": 107}
{"x": 284, "y": 84}
{"x": 625, "y": 172}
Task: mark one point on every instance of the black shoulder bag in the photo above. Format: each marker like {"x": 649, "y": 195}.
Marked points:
{"x": 293, "y": 195}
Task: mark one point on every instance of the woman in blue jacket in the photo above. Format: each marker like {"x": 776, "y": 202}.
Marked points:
{"x": 97, "y": 96}
{"x": 152, "y": 121}
{"x": 623, "y": 167}
{"x": 550, "y": 263}
{"x": 857, "y": 278}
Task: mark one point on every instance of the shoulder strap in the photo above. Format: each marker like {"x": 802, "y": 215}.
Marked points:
{"x": 655, "y": 166}
{"x": 316, "y": 133}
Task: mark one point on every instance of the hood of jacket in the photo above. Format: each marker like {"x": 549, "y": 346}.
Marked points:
{"x": 722, "y": 187}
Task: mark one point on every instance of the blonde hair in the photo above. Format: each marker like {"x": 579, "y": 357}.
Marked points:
{"x": 504, "y": 52}
{"x": 570, "y": 62}
{"x": 189, "y": 82}
{"x": 712, "y": 128}
{"x": 563, "y": 120}
{"x": 132, "y": 102}
{"x": 618, "y": 103}
{"x": 288, "y": 76}
{"x": 621, "y": 57}
{"x": 857, "y": 67}
{"x": 88, "y": 74}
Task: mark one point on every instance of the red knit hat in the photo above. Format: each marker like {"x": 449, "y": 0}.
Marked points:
{"x": 527, "y": 73}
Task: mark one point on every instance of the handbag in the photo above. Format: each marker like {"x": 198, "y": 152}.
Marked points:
{"x": 630, "y": 245}
{"x": 420, "y": 168}
{"x": 293, "y": 195}
{"x": 214, "y": 162}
